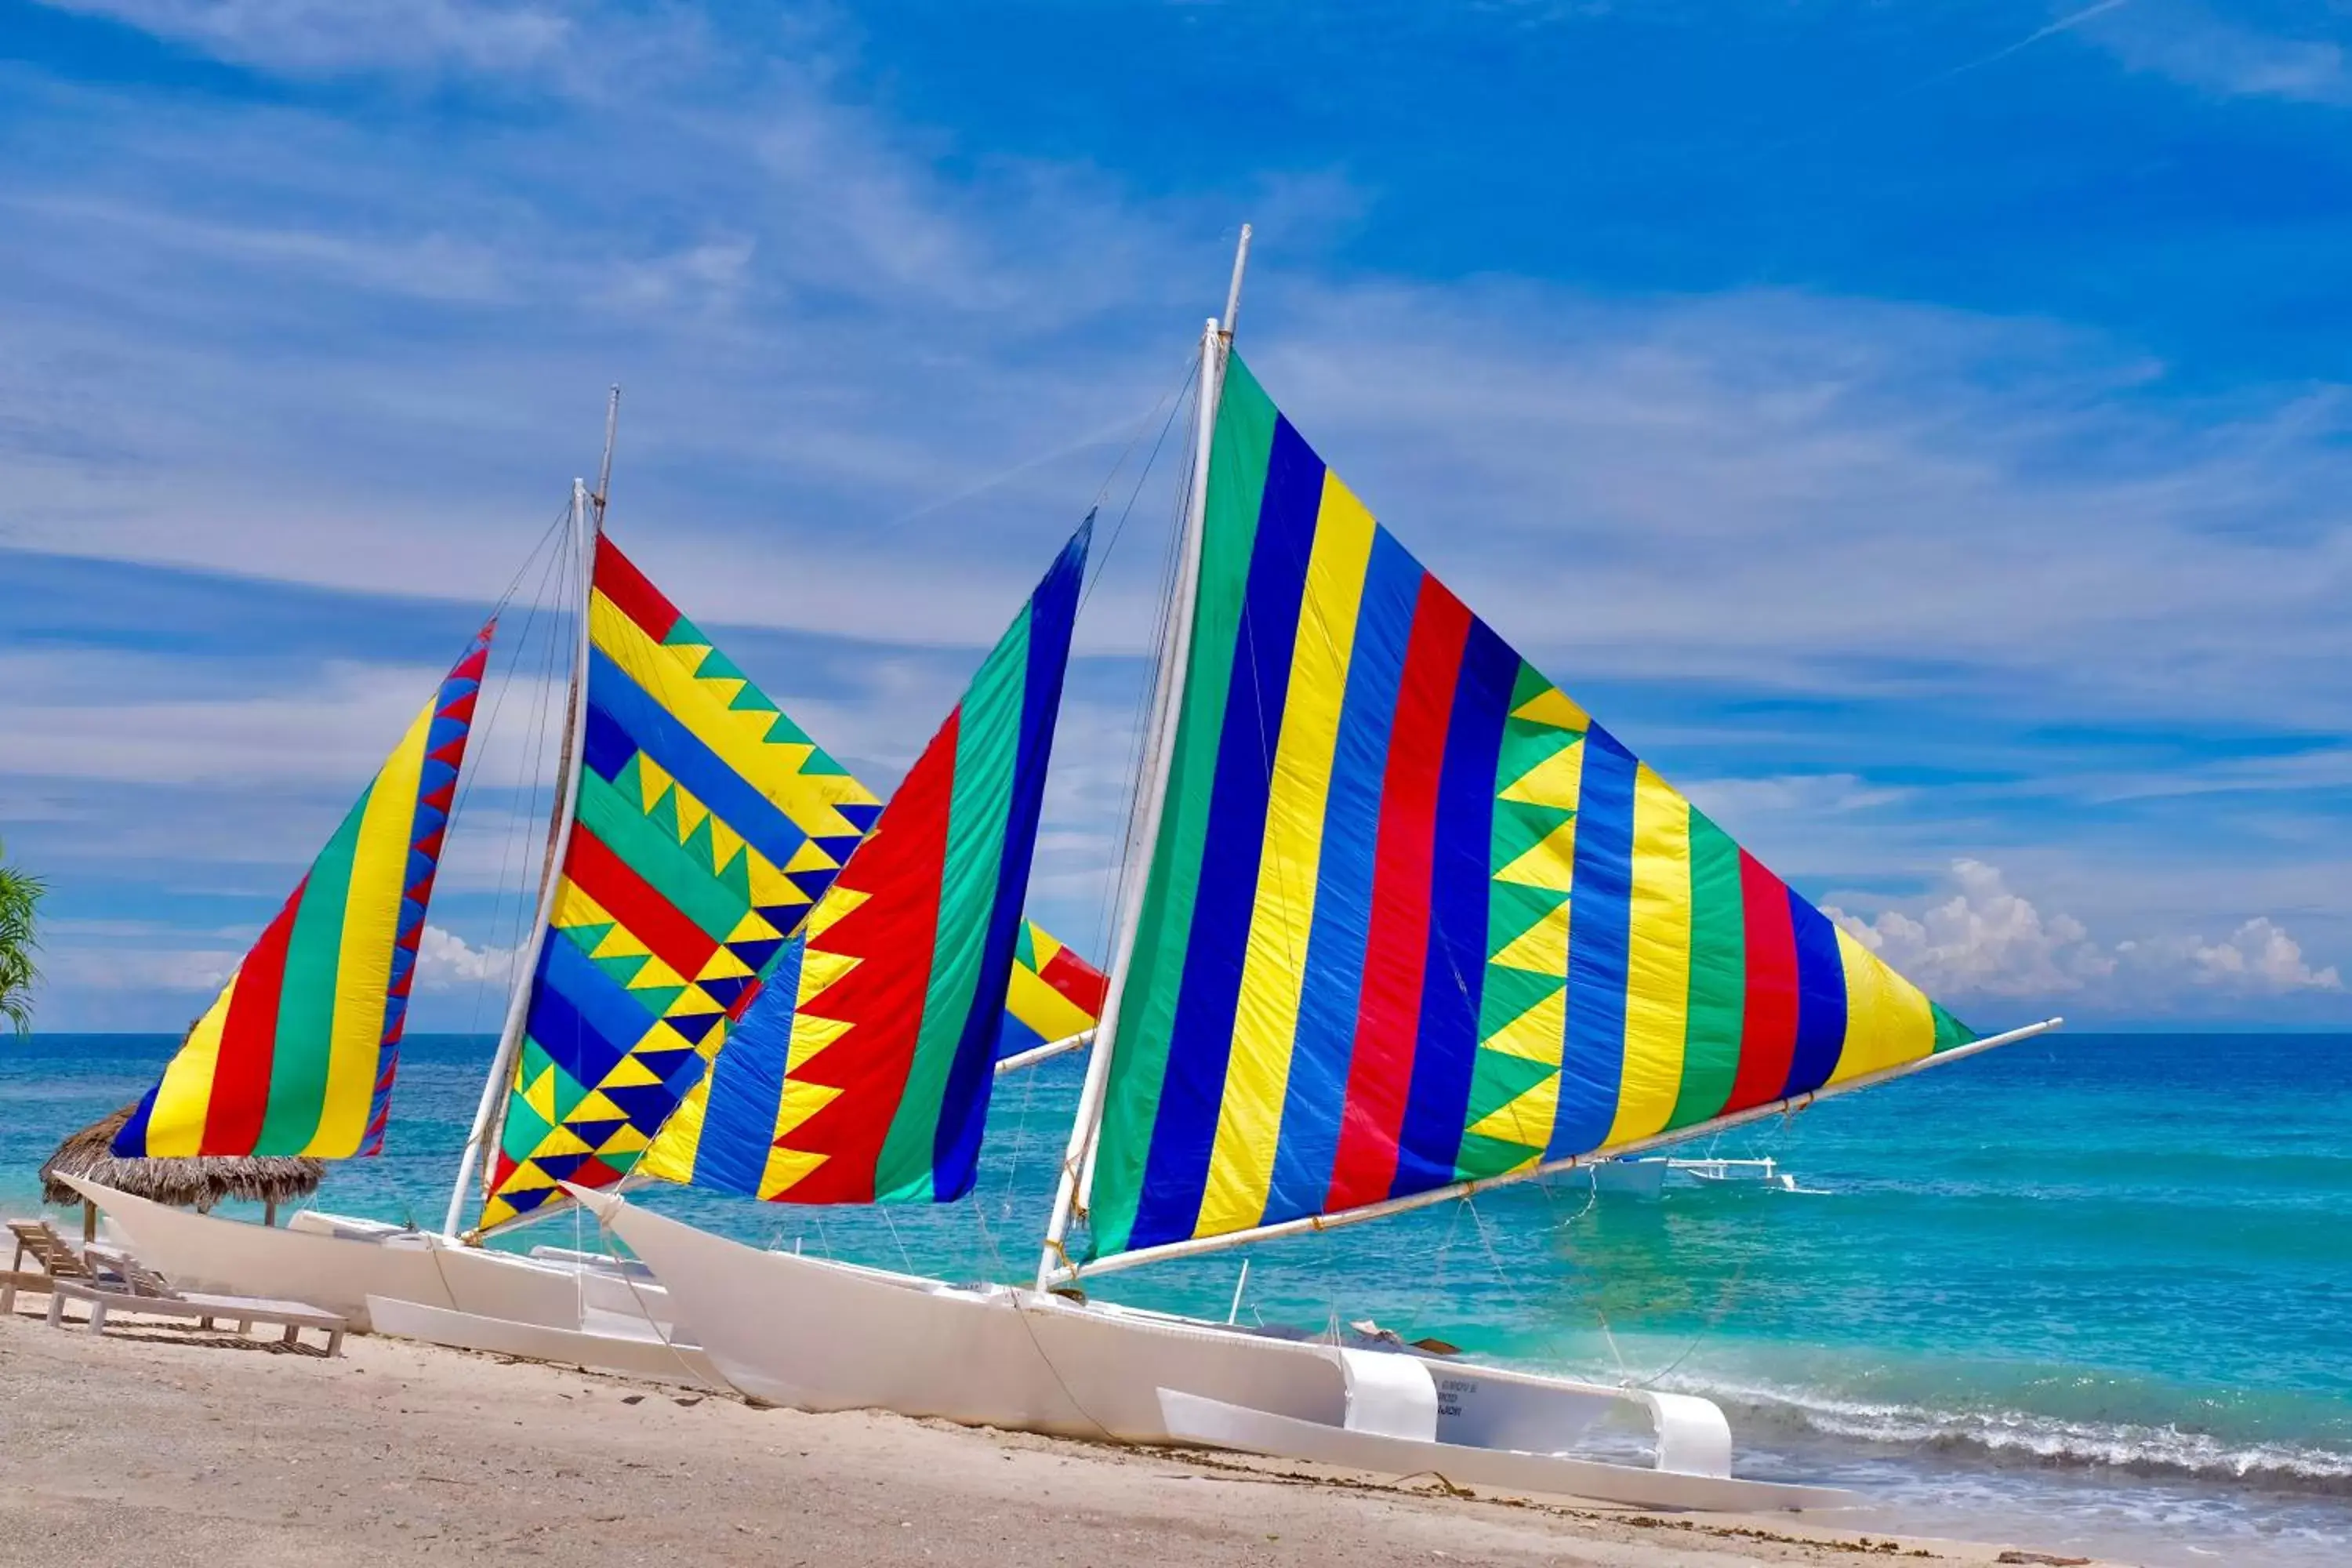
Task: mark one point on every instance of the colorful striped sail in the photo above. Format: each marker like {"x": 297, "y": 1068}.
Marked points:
{"x": 1055, "y": 993}
{"x": 298, "y": 1053}
{"x": 708, "y": 825}
{"x": 1413, "y": 917}
{"x": 862, "y": 1074}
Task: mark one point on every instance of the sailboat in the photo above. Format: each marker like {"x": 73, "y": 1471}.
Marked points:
{"x": 1410, "y": 925}
{"x": 695, "y": 827}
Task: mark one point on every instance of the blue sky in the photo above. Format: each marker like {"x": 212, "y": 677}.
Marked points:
{"x": 1920, "y": 429}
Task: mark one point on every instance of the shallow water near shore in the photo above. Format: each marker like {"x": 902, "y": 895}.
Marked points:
{"x": 2094, "y": 1292}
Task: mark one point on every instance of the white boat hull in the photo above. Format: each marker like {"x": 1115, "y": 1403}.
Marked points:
{"x": 201, "y": 1252}
{"x": 1631, "y": 1178}
{"x": 639, "y": 1353}
{"x": 1216, "y": 1425}
{"x": 338, "y": 1264}
{"x": 820, "y": 1335}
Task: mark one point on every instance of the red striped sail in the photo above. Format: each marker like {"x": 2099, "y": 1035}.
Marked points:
{"x": 298, "y": 1053}
{"x": 866, "y": 1077}
{"x": 1413, "y": 917}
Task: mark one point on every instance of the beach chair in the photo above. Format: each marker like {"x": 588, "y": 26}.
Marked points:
{"x": 143, "y": 1290}
{"x": 56, "y": 1256}
{"x": 105, "y": 1278}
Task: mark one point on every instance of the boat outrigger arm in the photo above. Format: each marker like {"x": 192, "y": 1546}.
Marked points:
{"x": 1068, "y": 1273}
{"x": 1046, "y": 1052}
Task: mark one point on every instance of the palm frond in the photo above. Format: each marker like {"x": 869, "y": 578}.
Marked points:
{"x": 20, "y": 895}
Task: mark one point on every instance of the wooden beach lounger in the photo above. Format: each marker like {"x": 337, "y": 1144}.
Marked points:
{"x": 56, "y": 1256}
{"x": 104, "y": 1279}
{"x": 243, "y": 1310}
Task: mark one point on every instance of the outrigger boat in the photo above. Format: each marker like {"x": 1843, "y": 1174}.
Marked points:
{"x": 1646, "y": 1176}
{"x": 696, "y": 825}
{"x": 1347, "y": 984}
{"x": 1408, "y": 926}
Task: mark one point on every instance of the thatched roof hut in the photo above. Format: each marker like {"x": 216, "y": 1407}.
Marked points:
{"x": 198, "y": 1182}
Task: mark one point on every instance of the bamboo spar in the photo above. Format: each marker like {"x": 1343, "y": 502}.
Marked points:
{"x": 1045, "y": 1052}
{"x": 1194, "y": 1247}
{"x": 586, "y": 529}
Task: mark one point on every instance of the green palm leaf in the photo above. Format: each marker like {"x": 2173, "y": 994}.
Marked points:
{"x": 20, "y": 892}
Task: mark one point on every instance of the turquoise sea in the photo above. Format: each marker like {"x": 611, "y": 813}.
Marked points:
{"x": 2094, "y": 1291}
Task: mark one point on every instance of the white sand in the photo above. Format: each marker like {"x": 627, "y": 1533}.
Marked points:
{"x": 158, "y": 1445}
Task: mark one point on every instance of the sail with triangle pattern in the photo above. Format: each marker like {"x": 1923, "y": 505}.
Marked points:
{"x": 1055, "y": 993}
{"x": 862, "y": 1074}
{"x": 708, "y": 825}
{"x": 1413, "y": 917}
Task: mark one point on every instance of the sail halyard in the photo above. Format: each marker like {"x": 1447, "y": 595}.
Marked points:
{"x": 1077, "y": 1160}
{"x": 587, "y": 526}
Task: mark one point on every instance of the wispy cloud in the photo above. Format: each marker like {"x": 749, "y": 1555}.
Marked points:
{"x": 324, "y": 36}
{"x": 96, "y": 717}
{"x": 2206, "y": 49}
{"x": 1840, "y": 497}
{"x": 1885, "y": 583}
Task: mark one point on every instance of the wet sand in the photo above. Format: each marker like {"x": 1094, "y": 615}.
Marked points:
{"x": 159, "y": 1446}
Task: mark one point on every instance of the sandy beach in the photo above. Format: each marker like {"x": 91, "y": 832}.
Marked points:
{"x": 159, "y": 1445}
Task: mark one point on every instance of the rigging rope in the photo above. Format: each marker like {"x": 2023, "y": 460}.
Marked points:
{"x": 498, "y": 921}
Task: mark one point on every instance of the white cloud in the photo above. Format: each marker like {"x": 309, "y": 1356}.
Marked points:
{"x": 873, "y": 373}
{"x": 2257, "y": 958}
{"x": 1838, "y": 498}
{"x": 1986, "y": 940}
{"x": 2198, "y": 47}
{"x": 1809, "y": 795}
{"x": 152, "y": 718}
{"x": 1983, "y": 940}
{"x": 861, "y": 397}
{"x": 444, "y": 960}
{"x": 334, "y": 36}
{"x": 180, "y": 971}
{"x": 426, "y": 265}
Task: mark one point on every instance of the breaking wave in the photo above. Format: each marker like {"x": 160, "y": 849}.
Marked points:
{"x": 2014, "y": 1437}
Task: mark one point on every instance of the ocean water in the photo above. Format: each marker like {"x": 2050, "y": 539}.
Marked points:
{"x": 2093, "y": 1292}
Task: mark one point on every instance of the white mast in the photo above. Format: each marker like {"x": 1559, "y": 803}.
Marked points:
{"x": 605, "y": 469}
{"x": 1167, "y": 711}
{"x": 587, "y": 526}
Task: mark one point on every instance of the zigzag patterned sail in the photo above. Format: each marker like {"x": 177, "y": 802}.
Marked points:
{"x": 708, "y": 825}
{"x": 862, "y": 1074}
{"x": 298, "y": 1053}
{"x": 1413, "y": 917}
